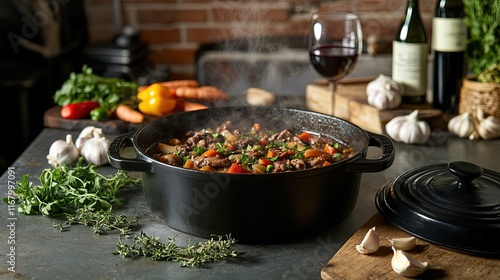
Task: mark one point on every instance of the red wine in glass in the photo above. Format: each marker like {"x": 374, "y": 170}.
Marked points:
{"x": 333, "y": 61}
{"x": 335, "y": 42}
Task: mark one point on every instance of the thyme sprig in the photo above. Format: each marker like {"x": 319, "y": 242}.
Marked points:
{"x": 102, "y": 220}
{"x": 192, "y": 255}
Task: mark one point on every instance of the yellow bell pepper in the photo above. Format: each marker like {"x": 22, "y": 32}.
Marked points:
{"x": 156, "y": 100}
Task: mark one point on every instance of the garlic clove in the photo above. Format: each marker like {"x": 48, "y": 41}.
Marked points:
{"x": 406, "y": 265}
{"x": 370, "y": 243}
{"x": 403, "y": 243}
{"x": 63, "y": 152}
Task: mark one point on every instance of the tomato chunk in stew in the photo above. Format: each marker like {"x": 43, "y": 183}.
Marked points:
{"x": 256, "y": 150}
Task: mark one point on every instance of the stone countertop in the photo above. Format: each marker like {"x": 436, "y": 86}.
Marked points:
{"x": 43, "y": 252}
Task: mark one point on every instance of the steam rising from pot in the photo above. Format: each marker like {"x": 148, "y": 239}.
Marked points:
{"x": 248, "y": 59}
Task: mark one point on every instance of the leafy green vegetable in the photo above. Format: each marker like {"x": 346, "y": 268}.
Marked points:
{"x": 483, "y": 20}
{"x": 64, "y": 189}
{"x": 87, "y": 86}
{"x": 196, "y": 254}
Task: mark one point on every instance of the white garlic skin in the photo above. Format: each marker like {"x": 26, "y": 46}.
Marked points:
{"x": 403, "y": 243}
{"x": 384, "y": 93}
{"x": 406, "y": 265}
{"x": 408, "y": 129}
{"x": 86, "y": 134}
{"x": 95, "y": 150}
{"x": 370, "y": 243}
{"x": 63, "y": 152}
{"x": 489, "y": 128}
{"x": 461, "y": 125}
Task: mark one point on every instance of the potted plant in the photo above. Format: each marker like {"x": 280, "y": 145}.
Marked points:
{"x": 482, "y": 88}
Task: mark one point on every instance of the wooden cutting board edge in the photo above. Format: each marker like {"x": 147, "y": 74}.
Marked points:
{"x": 52, "y": 118}
{"x": 347, "y": 263}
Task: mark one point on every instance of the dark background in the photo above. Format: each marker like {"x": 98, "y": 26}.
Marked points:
{"x": 28, "y": 79}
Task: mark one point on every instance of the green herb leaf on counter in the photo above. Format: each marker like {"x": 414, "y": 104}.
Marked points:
{"x": 192, "y": 255}
{"x": 102, "y": 220}
{"x": 87, "y": 86}
{"x": 64, "y": 189}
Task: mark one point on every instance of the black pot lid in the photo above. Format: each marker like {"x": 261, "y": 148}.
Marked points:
{"x": 455, "y": 205}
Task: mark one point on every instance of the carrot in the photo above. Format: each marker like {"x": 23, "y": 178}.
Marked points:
{"x": 126, "y": 113}
{"x": 204, "y": 92}
{"x": 192, "y": 106}
{"x": 211, "y": 153}
{"x": 180, "y": 83}
{"x": 172, "y": 85}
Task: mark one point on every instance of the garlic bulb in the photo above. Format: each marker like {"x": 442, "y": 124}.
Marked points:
{"x": 63, "y": 152}
{"x": 370, "y": 243}
{"x": 405, "y": 264}
{"x": 384, "y": 93}
{"x": 95, "y": 149}
{"x": 86, "y": 134}
{"x": 462, "y": 125}
{"x": 408, "y": 129}
{"x": 403, "y": 243}
{"x": 488, "y": 128}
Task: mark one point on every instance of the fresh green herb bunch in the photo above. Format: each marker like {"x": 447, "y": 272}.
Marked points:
{"x": 102, "y": 220}
{"x": 87, "y": 86}
{"x": 490, "y": 75}
{"x": 483, "y": 49}
{"x": 196, "y": 254}
{"x": 64, "y": 189}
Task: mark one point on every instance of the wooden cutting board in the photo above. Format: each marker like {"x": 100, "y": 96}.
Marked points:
{"x": 52, "y": 118}
{"x": 347, "y": 263}
{"x": 350, "y": 103}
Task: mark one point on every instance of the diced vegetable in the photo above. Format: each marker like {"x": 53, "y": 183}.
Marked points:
{"x": 210, "y": 153}
{"x": 329, "y": 149}
{"x": 305, "y": 136}
{"x": 237, "y": 169}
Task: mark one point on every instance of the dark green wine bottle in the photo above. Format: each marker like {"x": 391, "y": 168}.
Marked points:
{"x": 449, "y": 41}
{"x": 409, "y": 55}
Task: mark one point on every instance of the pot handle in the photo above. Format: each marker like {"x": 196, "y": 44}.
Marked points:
{"x": 117, "y": 160}
{"x": 364, "y": 165}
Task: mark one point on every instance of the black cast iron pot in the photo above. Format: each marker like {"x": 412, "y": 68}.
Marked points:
{"x": 253, "y": 208}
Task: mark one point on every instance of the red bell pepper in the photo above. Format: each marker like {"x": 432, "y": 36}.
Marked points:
{"x": 237, "y": 169}
{"x": 265, "y": 161}
{"x": 78, "y": 110}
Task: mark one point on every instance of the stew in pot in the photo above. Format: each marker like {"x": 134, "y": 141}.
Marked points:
{"x": 254, "y": 150}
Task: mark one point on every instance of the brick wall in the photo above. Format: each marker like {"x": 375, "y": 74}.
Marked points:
{"x": 174, "y": 29}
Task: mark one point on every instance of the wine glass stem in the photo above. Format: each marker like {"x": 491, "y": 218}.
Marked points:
{"x": 333, "y": 90}
{"x": 333, "y": 87}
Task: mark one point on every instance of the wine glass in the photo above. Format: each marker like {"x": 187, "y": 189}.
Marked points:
{"x": 335, "y": 42}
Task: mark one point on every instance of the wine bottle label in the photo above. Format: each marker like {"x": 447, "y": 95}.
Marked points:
{"x": 409, "y": 67}
{"x": 449, "y": 34}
